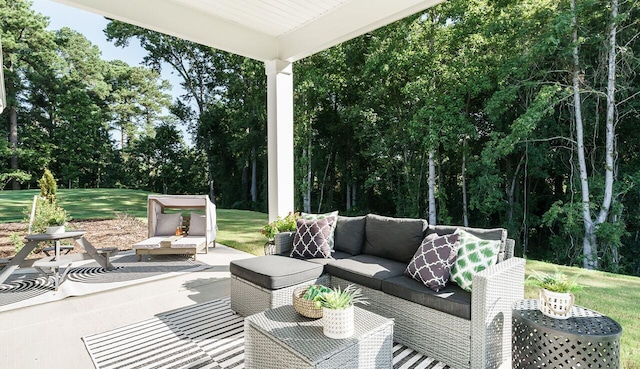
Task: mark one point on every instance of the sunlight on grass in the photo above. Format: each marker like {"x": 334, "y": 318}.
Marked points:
{"x": 80, "y": 203}
{"x": 240, "y": 229}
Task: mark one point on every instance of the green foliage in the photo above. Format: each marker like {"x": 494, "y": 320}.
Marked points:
{"x": 47, "y": 214}
{"x": 14, "y": 175}
{"x": 286, "y": 224}
{"x": 556, "y": 282}
{"x": 48, "y": 186}
{"x": 339, "y": 299}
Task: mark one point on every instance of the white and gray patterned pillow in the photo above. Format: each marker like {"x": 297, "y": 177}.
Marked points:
{"x": 432, "y": 262}
{"x": 312, "y": 238}
{"x": 474, "y": 256}
{"x": 333, "y": 214}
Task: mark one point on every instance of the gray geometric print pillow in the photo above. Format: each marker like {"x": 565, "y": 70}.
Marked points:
{"x": 312, "y": 238}
{"x": 474, "y": 256}
{"x": 333, "y": 214}
{"x": 432, "y": 262}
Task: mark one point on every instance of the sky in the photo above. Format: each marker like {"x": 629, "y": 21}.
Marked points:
{"x": 91, "y": 26}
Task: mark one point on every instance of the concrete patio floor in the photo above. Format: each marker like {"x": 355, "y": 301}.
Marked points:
{"x": 49, "y": 335}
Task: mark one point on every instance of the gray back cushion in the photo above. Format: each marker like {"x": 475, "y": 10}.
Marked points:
{"x": 393, "y": 238}
{"x": 167, "y": 224}
{"x": 349, "y": 234}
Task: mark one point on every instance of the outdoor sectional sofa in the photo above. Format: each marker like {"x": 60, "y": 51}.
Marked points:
{"x": 462, "y": 329}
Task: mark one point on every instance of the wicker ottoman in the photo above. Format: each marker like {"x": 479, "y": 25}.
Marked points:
{"x": 282, "y": 338}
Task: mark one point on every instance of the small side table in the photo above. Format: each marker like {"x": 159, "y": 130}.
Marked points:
{"x": 282, "y": 338}
{"x": 586, "y": 340}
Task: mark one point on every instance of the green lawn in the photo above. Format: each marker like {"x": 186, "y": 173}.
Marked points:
{"x": 240, "y": 229}
{"x": 80, "y": 203}
{"x": 615, "y": 295}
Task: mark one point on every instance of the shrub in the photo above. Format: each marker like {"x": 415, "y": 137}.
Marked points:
{"x": 48, "y": 186}
{"x": 286, "y": 224}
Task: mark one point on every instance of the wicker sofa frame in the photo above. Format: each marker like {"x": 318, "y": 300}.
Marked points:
{"x": 482, "y": 342}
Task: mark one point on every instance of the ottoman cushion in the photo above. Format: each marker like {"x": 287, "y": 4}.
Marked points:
{"x": 275, "y": 271}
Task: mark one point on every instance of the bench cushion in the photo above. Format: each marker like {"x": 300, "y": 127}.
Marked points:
{"x": 189, "y": 242}
{"x": 275, "y": 271}
{"x": 366, "y": 270}
{"x": 393, "y": 238}
{"x": 451, "y": 299}
{"x": 149, "y": 243}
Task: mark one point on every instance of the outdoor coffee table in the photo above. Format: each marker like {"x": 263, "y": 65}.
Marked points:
{"x": 586, "y": 340}
{"x": 282, "y": 338}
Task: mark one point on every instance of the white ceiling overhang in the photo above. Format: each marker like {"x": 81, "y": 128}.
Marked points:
{"x": 264, "y": 30}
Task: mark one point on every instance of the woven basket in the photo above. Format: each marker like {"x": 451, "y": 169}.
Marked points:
{"x": 305, "y": 307}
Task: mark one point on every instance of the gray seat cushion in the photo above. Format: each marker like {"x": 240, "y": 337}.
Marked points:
{"x": 336, "y": 255}
{"x": 366, "y": 270}
{"x": 275, "y": 271}
{"x": 349, "y": 234}
{"x": 451, "y": 299}
{"x": 393, "y": 238}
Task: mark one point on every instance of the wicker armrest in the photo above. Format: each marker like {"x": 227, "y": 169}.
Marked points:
{"x": 495, "y": 289}
{"x": 284, "y": 243}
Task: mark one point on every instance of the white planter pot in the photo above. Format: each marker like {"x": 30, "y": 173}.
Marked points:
{"x": 55, "y": 230}
{"x": 337, "y": 323}
{"x": 556, "y": 304}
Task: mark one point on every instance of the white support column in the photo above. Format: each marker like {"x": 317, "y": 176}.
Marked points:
{"x": 280, "y": 137}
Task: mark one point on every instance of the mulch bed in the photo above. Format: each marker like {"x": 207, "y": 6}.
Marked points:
{"x": 121, "y": 232}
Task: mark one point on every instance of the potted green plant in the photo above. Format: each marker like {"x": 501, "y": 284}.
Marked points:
{"x": 286, "y": 224}
{"x": 54, "y": 217}
{"x": 556, "y": 296}
{"x": 337, "y": 310}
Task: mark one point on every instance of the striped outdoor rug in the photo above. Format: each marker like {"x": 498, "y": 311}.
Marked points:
{"x": 206, "y": 336}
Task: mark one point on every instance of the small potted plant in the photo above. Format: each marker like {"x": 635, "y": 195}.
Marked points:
{"x": 337, "y": 310}
{"x": 55, "y": 218}
{"x": 286, "y": 224}
{"x": 556, "y": 293}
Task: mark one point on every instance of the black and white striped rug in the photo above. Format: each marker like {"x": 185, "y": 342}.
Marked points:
{"x": 203, "y": 336}
{"x": 22, "y": 290}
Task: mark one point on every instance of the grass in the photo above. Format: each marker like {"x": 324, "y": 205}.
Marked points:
{"x": 617, "y": 296}
{"x": 614, "y": 295}
{"x": 81, "y": 204}
{"x": 240, "y": 229}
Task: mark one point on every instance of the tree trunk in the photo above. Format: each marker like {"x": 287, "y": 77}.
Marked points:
{"x": 432, "y": 188}
{"x": 348, "y": 185}
{"x": 465, "y": 206}
{"x": 353, "y": 195}
{"x": 589, "y": 246}
{"x": 254, "y": 175}
{"x": 246, "y": 187}
{"x": 306, "y": 193}
{"x": 324, "y": 179}
{"x": 13, "y": 141}
{"x": 611, "y": 107}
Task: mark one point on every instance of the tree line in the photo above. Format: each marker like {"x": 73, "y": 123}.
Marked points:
{"x": 510, "y": 113}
